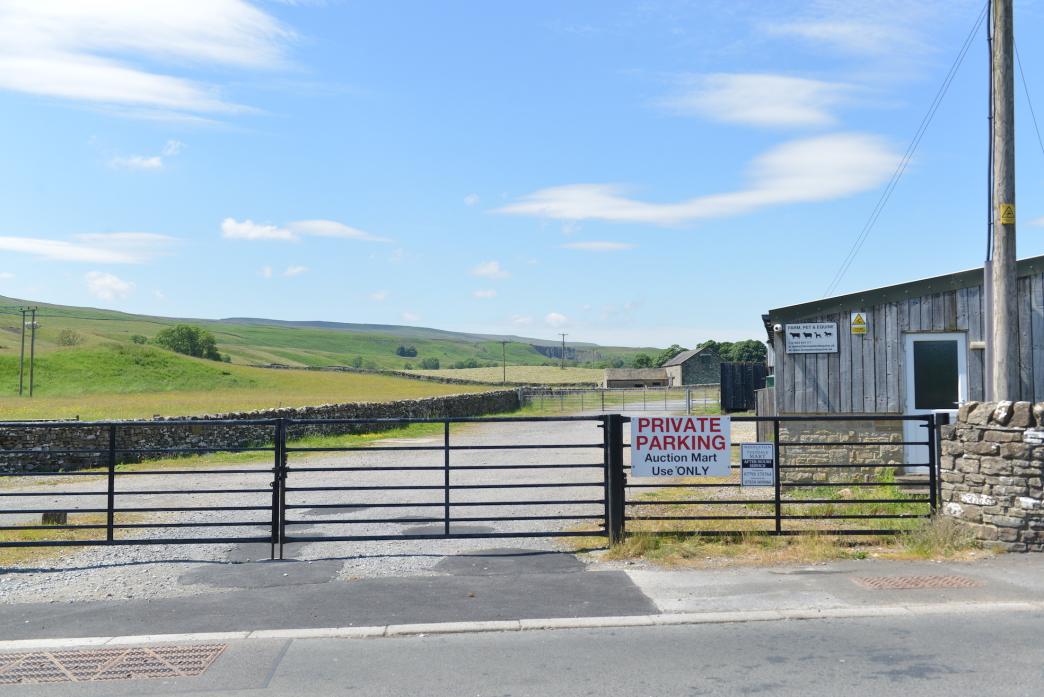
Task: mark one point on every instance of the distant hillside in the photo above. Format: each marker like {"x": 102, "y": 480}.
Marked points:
{"x": 256, "y": 341}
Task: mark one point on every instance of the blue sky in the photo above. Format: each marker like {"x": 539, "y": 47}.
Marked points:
{"x": 638, "y": 173}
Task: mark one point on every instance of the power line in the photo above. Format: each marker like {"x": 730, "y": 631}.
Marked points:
{"x": 907, "y": 156}
{"x": 1029, "y": 101}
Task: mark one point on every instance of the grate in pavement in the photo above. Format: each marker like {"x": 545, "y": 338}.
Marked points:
{"x": 132, "y": 663}
{"x": 914, "y": 582}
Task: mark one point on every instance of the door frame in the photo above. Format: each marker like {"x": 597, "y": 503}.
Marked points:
{"x": 912, "y": 431}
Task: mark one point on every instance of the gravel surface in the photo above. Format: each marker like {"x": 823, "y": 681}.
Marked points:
{"x": 153, "y": 571}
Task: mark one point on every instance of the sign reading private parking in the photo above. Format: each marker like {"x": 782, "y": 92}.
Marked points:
{"x": 680, "y": 446}
{"x": 811, "y": 337}
{"x": 757, "y": 462}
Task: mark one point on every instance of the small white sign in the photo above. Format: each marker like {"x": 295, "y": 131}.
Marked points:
{"x": 757, "y": 464}
{"x": 811, "y": 337}
{"x": 680, "y": 446}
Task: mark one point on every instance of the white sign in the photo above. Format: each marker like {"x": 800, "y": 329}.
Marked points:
{"x": 757, "y": 464}
{"x": 811, "y": 337}
{"x": 680, "y": 446}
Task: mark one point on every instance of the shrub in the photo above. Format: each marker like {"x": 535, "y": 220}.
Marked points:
{"x": 642, "y": 360}
{"x": 67, "y": 337}
{"x": 139, "y": 338}
{"x": 189, "y": 340}
{"x": 429, "y": 364}
{"x": 357, "y": 362}
{"x": 406, "y": 351}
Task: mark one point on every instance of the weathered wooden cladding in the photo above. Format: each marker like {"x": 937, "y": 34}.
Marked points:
{"x": 867, "y": 374}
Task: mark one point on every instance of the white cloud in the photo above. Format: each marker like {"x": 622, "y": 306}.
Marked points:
{"x": 172, "y": 148}
{"x": 1039, "y": 222}
{"x": 599, "y": 246}
{"x": 379, "y": 296}
{"x": 292, "y": 232}
{"x": 410, "y": 317}
{"x": 555, "y": 319}
{"x": 485, "y": 294}
{"x": 159, "y": 295}
{"x": 6, "y": 276}
{"x": 801, "y": 171}
{"x": 107, "y": 286}
{"x": 292, "y": 271}
{"x": 521, "y": 320}
{"x": 98, "y": 248}
{"x": 111, "y": 52}
{"x": 758, "y": 99}
{"x": 471, "y": 200}
{"x": 265, "y": 272}
{"x": 490, "y": 269}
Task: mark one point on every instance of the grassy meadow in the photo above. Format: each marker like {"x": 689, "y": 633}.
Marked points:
{"x": 529, "y": 374}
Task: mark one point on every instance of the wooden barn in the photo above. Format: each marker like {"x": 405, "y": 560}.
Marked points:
{"x": 905, "y": 349}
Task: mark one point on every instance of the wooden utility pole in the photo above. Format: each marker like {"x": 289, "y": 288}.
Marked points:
{"x": 32, "y": 351}
{"x": 1004, "y": 332}
{"x": 21, "y": 356}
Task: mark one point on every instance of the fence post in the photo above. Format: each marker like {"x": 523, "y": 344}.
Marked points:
{"x": 933, "y": 460}
{"x": 446, "y": 473}
{"x": 581, "y": 400}
{"x": 110, "y": 517}
{"x": 617, "y": 478}
{"x": 779, "y": 487}
{"x": 278, "y": 442}
{"x": 688, "y": 400}
{"x": 602, "y": 393}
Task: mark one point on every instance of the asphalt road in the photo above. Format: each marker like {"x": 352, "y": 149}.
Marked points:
{"x": 926, "y": 656}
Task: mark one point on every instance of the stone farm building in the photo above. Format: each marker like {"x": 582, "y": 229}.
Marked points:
{"x": 635, "y": 377}
{"x": 911, "y": 348}
{"x": 700, "y": 366}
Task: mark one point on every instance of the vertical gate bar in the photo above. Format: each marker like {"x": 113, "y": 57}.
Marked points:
{"x": 110, "y": 515}
{"x": 777, "y": 460}
{"x": 446, "y": 472}
{"x": 275, "y": 491}
{"x": 282, "y": 485}
{"x": 688, "y": 400}
{"x": 933, "y": 461}
{"x": 644, "y": 405}
{"x": 606, "y": 496}
{"x": 617, "y": 480}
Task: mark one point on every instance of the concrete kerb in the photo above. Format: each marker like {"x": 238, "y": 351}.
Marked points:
{"x": 442, "y": 628}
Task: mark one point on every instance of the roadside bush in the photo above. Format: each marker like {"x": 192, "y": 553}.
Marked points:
{"x": 68, "y": 337}
{"x": 190, "y": 341}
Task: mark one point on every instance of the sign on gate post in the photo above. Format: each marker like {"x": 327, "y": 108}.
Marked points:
{"x": 680, "y": 446}
{"x": 757, "y": 464}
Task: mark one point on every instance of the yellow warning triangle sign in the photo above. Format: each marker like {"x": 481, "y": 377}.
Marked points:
{"x": 858, "y": 319}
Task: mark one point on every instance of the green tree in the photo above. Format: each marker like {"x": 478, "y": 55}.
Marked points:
{"x": 68, "y": 337}
{"x": 189, "y": 340}
{"x": 139, "y": 339}
{"x": 749, "y": 351}
{"x": 357, "y": 362}
{"x": 669, "y": 353}
{"x": 429, "y": 364}
{"x": 642, "y": 360}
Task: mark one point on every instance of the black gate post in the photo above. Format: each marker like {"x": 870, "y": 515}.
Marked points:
{"x": 933, "y": 462}
{"x": 110, "y": 516}
{"x": 446, "y": 474}
{"x": 617, "y": 478}
{"x": 779, "y": 487}
{"x": 278, "y": 485}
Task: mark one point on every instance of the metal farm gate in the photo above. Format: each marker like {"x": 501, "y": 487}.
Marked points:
{"x": 515, "y": 477}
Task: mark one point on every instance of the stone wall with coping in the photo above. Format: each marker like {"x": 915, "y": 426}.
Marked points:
{"x": 874, "y": 461}
{"x": 992, "y": 470}
{"x": 202, "y": 432}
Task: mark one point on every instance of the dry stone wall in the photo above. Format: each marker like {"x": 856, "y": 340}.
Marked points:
{"x": 210, "y": 431}
{"x": 992, "y": 469}
{"x": 874, "y": 460}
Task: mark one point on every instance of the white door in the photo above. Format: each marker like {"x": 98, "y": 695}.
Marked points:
{"x": 936, "y": 380}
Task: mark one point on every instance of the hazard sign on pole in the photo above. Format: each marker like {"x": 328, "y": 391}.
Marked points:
{"x": 858, "y": 323}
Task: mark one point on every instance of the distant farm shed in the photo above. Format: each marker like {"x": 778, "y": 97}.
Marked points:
{"x": 700, "y": 366}
{"x": 636, "y": 377}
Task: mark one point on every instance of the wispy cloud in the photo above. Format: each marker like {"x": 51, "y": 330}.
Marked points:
{"x": 293, "y": 232}
{"x": 471, "y": 200}
{"x": 111, "y": 52}
{"x": 379, "y": 296}
{"x": 107, "y": 286}
{"x": 1039, "y": 222}
{"x": 490, "y": 269}
{"x": 148, "y": 162}
{"x": 599, "y": 246}
{"x": 292, "y": 271}
{"x": 813, "y": 169}
{"x": 265, "y": 272}
{"x": 485, "y": 294}
{"x": 97, "y": 248}
{"x": 758, "y": 99}
{"x": 521, "y": 320}
{"x": 555, "y": 319}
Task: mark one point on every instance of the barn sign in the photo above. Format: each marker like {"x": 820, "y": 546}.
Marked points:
{"x": 680, "y": 446}
{"x": 811, "y": 337}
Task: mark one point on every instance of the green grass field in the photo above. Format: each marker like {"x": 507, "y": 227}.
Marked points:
{"x": 530, "y": 374}
{"x": 125, "y": 381}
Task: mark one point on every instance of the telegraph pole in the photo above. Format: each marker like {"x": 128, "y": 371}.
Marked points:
{"x": 1003, "y": 333}
{"x": 563, "y": 350}
{"x": 503, "y": 353}
{"x": 32, "y": 350}
{"x": 21, "y": 354}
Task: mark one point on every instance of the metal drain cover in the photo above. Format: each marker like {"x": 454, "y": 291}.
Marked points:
{"x": 133, "y": 663}
{"x": 914, "y": 582}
